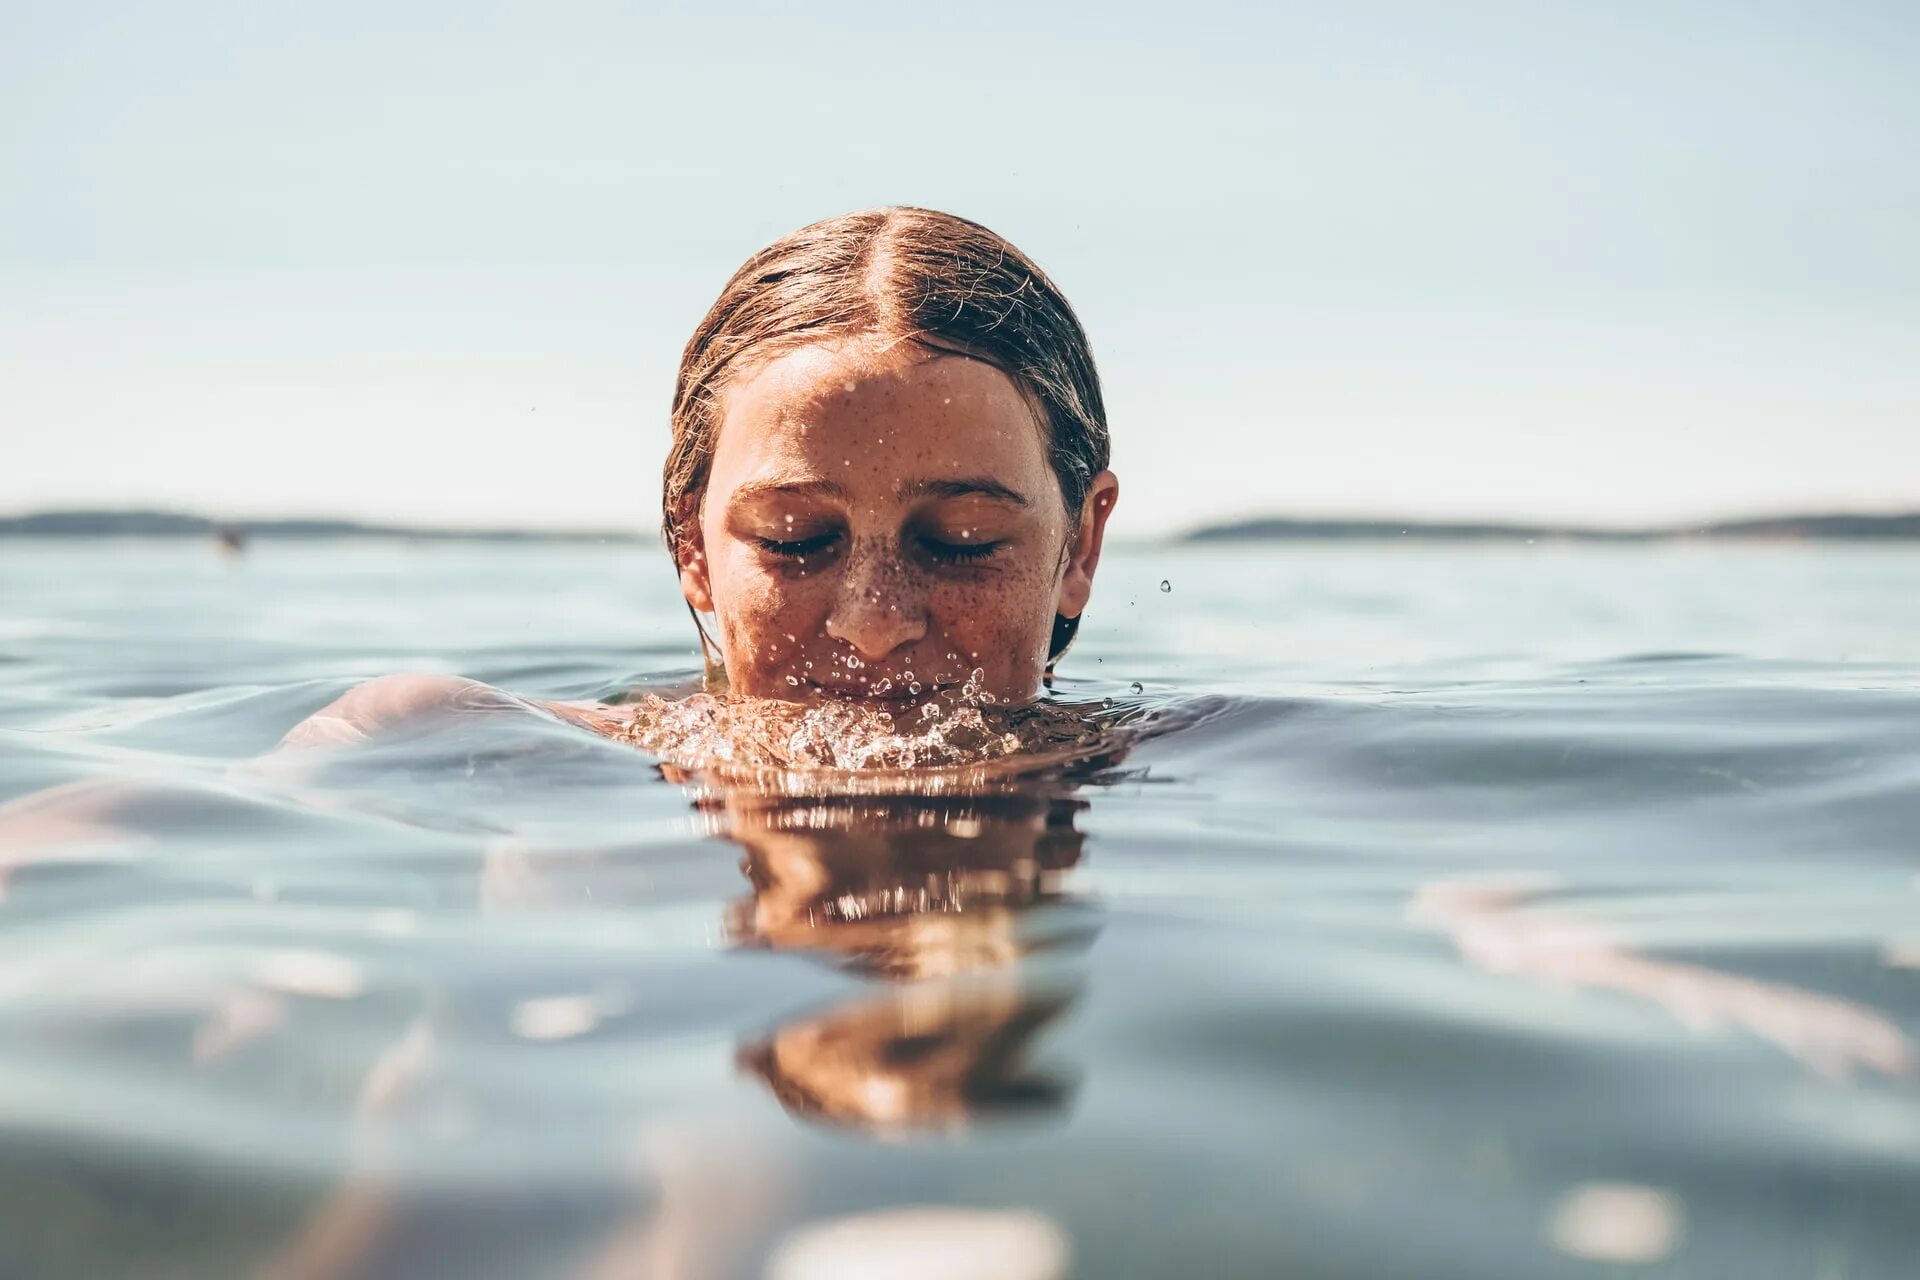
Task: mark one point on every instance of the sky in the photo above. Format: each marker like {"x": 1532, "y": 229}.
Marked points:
{"x": 434, "y": 263}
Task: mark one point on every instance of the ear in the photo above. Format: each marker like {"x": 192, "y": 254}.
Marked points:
{"x": 695, "y": 585}
{"x": 1083, "y": 547}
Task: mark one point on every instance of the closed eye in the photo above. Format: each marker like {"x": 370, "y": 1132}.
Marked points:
{"x": 800, "y": 547}
{"x": 958, "y": 552}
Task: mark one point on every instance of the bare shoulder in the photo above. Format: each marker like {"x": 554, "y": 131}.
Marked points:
{"x": 392, "y": 702}
{"x": 419, "y": 700}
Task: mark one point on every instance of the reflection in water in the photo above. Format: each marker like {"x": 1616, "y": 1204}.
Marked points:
{"x": 438, "y": 1145}
{"x": 947, "y": 895}
{"x": 1495, "y": 928}
{"x": 914, "y": 1060}
{"x": 925, "y": 1241}
{"x": 903, "y": 886}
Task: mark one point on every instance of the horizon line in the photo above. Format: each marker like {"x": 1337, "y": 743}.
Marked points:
{"x": 178, "y": 522}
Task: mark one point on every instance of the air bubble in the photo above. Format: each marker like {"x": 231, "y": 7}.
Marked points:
{"x": 794, "y": 681}
{"x": 1137, "y": 687}
{"x": 1166, "y": 585}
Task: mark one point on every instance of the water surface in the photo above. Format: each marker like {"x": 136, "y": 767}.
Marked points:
{"x": 1480, "y": 912}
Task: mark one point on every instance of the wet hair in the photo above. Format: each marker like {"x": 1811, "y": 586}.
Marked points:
{"x": 903, "y": 275}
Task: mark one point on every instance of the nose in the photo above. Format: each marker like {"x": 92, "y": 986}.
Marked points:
{"x": 878, "y": 611}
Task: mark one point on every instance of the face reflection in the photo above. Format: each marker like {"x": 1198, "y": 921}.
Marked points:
{"x": 946, "y": 897}
{"x": 880, "y": 516}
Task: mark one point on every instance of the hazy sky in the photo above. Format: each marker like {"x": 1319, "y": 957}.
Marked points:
{"x": 434, "y": 262}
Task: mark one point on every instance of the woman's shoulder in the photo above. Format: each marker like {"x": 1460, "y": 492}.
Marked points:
{"x": 386, "y": 703}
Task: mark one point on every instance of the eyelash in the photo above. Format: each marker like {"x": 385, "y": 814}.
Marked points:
{"x": 942, "y": 552}
{"x": 794, "y": 550}
{"x": 958, "y": 552}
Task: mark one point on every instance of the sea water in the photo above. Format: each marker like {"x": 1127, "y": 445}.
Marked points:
{"x": 1472, "y": 912}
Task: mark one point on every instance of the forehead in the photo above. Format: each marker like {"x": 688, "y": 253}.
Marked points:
{"x": 856, "y": 413}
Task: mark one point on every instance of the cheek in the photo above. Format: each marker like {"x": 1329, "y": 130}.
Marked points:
{"x": 1000, "y": 623}
{"x": 759, "y": 608}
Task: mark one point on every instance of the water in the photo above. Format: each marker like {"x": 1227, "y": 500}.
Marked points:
{"x": 1483, "y": 912}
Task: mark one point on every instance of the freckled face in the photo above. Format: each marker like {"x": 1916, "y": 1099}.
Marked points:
{"x": 875, "y": 519}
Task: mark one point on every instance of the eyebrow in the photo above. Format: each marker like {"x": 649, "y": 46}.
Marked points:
{"x": 789, "y": 486}
{"x": 964, "y": 487}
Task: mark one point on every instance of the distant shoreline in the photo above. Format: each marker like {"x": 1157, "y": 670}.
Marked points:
{"x": 172, "y": 524}
{"x": 1772, "y": 528}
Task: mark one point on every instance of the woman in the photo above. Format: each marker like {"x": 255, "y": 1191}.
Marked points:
{"x": 888, "y": 479}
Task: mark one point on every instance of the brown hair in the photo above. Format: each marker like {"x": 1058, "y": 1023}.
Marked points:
{"x": 906, "y": 274}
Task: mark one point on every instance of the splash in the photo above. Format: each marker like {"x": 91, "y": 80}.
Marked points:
{"x": 959, "y": 726}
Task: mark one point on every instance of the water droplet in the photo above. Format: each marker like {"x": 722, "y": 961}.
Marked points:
{"x": 1106, "y": 702}
{"x": 1165, "y": 585}
{"x": 1137, "y": 687}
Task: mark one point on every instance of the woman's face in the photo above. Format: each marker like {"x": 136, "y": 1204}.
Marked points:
{"x": 880, "y": 517}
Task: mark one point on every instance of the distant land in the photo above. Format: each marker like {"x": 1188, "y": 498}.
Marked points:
{"x": 1796, "y": 527}
{"x": 174, "y": 524}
